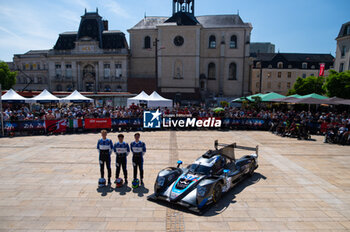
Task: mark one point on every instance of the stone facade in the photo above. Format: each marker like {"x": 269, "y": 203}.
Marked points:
{"x": 197, "y": 57}
{"x": 342, "y": 61}
{"x": 93, "y": 59}
{"x": 278, "y": 72}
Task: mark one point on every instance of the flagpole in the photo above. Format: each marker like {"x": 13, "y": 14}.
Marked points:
{"x": 2, "y": 116}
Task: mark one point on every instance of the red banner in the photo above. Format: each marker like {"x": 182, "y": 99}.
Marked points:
{"x": 56, "y": 126}
{"x": 98, "y": 123}
{"x": 322, "y": 67}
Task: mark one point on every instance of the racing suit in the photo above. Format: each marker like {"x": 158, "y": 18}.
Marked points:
{"x": 138, "y": 149}
{"x": 121, "y": 150}
{"x": 105, "y": 148}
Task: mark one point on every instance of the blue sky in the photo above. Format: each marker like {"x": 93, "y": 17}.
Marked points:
{"x": 294, "y": 26}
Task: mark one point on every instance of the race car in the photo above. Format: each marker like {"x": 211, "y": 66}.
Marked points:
{"x": 203, "y": 182}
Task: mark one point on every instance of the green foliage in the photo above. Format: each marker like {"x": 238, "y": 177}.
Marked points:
{"x": 338, "y": 84}
{"x": 224, "y": 104}
{"x": 308, "y": 85}
{"x": 7, "y": 78}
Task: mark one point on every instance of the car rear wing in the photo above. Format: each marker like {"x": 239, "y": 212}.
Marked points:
{"x": 228, "y": 150}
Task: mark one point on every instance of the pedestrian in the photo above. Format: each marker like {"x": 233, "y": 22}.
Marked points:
{"x": 138, "y": 149}
{"x": 121, "y": 150}
{"x": 105, "y": 147}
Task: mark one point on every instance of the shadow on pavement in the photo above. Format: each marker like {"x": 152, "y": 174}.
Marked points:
{"x": 229, "y": 197}
{"x": 141, "y": 190}
{"x": 105, "y": 190}
{"x": 123, "y": 190}
{"x": 225, "y": 201}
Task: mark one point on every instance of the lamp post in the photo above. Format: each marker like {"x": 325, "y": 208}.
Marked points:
{"x": 155, "y": 44}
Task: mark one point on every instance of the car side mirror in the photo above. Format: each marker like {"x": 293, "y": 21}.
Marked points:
{"x": 179, "y": 163}
{"x": 226, "y": 171}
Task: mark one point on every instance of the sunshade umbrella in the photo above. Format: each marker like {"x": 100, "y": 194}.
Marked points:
{"x": 218, "y": 109}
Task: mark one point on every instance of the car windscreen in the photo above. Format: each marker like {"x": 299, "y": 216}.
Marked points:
{"x": 199, "y": 169}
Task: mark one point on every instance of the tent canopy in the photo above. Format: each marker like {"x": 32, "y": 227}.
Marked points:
{"x": 12, "y": 96}
{"x": 249, "y": 98}
{"x": 295, "y": 95}
{"x": 314, "y": 95}
{"x": 142, "y": 97}
{"x": 76, "y": 97}
{"x": 270, "y": 96}
{"x": 45, "y": 97}
{"x": 155, "y": 100}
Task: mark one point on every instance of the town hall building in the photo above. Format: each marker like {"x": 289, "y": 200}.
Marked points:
{"x": 92, "y": 59}
{"x": 190, "y": 57}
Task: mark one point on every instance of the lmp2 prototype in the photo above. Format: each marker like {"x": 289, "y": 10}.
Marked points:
{"x": 203, "y": 182}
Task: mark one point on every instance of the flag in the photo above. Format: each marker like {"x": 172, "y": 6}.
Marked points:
{"x": 322, "y": 67}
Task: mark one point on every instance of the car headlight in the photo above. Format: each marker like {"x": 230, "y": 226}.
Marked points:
{"x": 201, "y": 190}
{"x": 160, "y": 180}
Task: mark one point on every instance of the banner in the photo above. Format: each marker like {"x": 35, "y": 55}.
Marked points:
{"x": 322, "y": 68}
{"x": 98, "y": 123}
{"x": 75, "y": 123}
{"x": 31, "y": 125}
{"x": 56, "y": 126}
{"x": 24, "y": 126}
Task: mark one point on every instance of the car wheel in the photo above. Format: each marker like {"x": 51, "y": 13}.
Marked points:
{"x": 252, "y": 168}
{"x": 217, "y": 192}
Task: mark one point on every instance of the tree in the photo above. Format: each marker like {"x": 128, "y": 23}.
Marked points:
{"x": 338, "y": 84}
{"x": 308, "y": 85}
{"x": 7, "y": 78}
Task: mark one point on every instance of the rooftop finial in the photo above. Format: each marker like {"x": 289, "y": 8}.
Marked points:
{"x": 96, "y": 10}
{"x": 238, "y": 12}
{"x": 85, "y": 10}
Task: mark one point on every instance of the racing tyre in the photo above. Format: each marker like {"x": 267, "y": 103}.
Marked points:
{"x": 217, "y": 192}
{"x": 252, "y": 168}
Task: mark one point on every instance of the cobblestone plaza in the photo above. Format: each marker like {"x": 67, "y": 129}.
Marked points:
{"x": 49, "y": 183}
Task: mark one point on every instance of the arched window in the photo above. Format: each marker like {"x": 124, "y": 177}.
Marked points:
{"x": 233, "y": 42}
{"x": 304, "y": 65}
{"x": 212, "y": 41}
{"x": 232, "y": 75}
{"x": 280, "y": 65}
{"x": 147, "y": 42}
{"x": 211, "y": 71}
{"x": 59, "y": 87}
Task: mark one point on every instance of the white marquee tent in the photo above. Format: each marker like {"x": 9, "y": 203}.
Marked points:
{"x": 155, "y": 100}
{"x": 142, "y": 97}
{"x": 76, "y": 97}
{"x": 12, "y": 96}
{"x": 45, "y": 97}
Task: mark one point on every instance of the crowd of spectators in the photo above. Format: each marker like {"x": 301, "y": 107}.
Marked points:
{"x": 283, "y": 122}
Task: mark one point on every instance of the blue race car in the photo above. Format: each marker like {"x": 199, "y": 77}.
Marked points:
{"x": 204, "y": 181}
